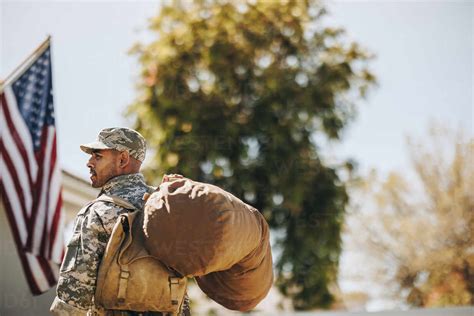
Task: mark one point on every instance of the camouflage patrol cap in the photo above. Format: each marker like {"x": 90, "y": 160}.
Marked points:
{"x": 121, "y": 139}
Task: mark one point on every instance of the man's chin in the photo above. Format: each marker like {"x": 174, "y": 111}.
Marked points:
{"x": 94, "y": 182}
{"x": 95, "y": 185}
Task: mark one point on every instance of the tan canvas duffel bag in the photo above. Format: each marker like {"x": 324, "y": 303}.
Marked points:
{"x": 247, "y": 283}
{"x": 129, "y": 277}
{"x": 198, "y": 228}
{"x": 201, "y": 230}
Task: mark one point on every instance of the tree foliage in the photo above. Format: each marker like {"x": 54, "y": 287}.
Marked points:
{"x": 420, "y": 232}
{"x": 235, "y": 94}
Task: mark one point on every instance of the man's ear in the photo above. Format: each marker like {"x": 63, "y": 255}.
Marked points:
{"x": 124, "y": 159}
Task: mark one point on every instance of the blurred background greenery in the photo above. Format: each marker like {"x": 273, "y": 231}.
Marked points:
{"x": 235, "y": 93}
{"x": 274, "y": 102}
{"x": 417, "y": 227}
{"x": 231, "y": 94}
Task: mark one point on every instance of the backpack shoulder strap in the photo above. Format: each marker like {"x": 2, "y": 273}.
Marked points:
{"x": 116, "y": 200}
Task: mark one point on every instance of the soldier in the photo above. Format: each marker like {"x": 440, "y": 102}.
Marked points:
{"x": 115, "y": 162}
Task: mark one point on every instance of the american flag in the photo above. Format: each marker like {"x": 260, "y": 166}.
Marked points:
{"x": 30, "y": 177}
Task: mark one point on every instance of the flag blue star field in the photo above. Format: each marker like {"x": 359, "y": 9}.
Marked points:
{"x": 34, "y": 97}
{"x": 30, "y": 177}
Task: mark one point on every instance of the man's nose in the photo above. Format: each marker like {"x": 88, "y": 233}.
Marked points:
{"x": 89, "y": 163}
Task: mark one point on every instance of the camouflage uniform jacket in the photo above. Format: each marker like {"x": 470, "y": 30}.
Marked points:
{"x": 92, "y": 229}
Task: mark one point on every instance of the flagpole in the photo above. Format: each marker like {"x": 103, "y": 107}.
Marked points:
{"x": 18, "y": 71}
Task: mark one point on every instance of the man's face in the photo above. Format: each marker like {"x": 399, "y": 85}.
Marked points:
{"x": 103, "y": 165}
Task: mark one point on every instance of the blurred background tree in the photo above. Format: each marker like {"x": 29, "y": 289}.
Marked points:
{"x": 418, "y": 231}
{"x": 236, "y": 94}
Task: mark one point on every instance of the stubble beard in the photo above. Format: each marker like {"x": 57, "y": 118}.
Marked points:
{"x": 99, "y": 181}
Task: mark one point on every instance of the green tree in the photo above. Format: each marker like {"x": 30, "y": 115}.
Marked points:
{"x": 236, "y": 94}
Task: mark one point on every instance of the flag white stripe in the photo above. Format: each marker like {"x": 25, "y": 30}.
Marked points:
{"x": 53, "y": 195}
{"x": 41, "y": 196}
{"x": 18, "y": 163}
{"x": 14, "y": 202}
{"x": 54, "y": 191}
{"x": 54, "y": 269}
{"x": 58, "y": 245}
{"x": 37, "y": 272}
{"x": 38, "y": 226}
{"x": 20, "y": 170}
{"x": 22, "y": 130}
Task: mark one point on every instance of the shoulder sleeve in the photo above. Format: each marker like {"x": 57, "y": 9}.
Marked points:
{"x": 94, "y": 226}
{"x": 104, "y": 215}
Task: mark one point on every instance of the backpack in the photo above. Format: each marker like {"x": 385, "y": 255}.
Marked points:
{"x": 129, "y": 278}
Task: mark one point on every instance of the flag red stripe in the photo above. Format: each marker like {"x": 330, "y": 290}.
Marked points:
{"x": 18, "y": 141}
{"x": 38, "y": 192}
{"x": 28, "y": 157}
{"x": 48, "y": 273}
{"x": 55, "y": 225}
{"x": 21, "y": 148}
{"x": 14, "y": 177}
{"x": 41, "y": 261}
{"x": 16, "y": 236}
{"x": 45, "y": 244}
{"x": 44, "y": 237}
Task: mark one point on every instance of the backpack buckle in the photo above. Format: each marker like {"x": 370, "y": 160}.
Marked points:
{"x": 124, "y": 274}
{"x": 173, "y": 280}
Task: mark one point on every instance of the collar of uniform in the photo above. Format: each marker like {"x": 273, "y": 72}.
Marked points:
{"x": 117, "y": 184}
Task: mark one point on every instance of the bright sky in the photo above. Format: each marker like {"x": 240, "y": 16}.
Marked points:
{"x": 424, "y": 66}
